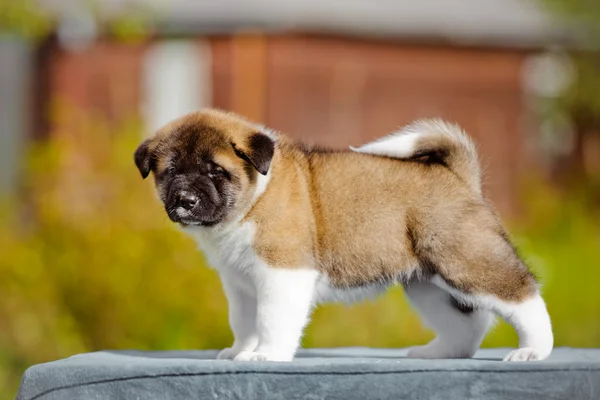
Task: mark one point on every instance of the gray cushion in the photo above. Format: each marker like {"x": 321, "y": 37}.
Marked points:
{"x": 345, "y": 374}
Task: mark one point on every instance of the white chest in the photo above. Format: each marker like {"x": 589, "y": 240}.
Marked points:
{"x": 227, "y": 250}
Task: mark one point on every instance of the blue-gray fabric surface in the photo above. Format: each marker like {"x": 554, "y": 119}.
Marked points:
{"x": 344, "y": 374}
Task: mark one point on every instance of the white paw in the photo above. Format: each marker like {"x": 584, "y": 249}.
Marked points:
{"x": 258, "y": 356}
{"x": 251, "y": 356}
{"x": 420, "y": 352}
{"x": 227, "y": 354}
{"x": 525, "y": 354}
{"x": 437, "y": 350}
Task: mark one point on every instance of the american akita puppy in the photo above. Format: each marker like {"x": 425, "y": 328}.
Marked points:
{"x": 289, "y": 226}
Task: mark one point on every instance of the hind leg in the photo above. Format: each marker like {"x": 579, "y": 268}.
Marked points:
{"x": 459, "y": 330}
{"x": 528, "y": 315}
{"x": 477, "y": 265}
{"x": 532, "y": 323}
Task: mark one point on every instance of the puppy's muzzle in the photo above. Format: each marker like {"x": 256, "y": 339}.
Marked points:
{"x": 187, "y": 201}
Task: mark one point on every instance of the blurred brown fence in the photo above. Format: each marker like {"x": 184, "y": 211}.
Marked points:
{"x": 333, "y": 91}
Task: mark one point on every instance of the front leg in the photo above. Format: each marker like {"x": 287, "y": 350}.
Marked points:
{"x": 284, "y": 301}
{"x": 242, "y": 319}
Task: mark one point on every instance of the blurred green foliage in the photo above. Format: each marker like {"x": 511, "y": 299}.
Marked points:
{"x": 90, "y": 261}
{"x": 584, "y": 14}
{"x": 29, "y": 20}
{"x": 582, "y": 19}
{"x": 23, "y": 18}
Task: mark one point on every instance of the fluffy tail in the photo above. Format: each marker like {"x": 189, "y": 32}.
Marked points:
{"x": 435, "y": 141}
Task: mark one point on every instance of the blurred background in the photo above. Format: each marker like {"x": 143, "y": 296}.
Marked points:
{"x": 88, "y": 258}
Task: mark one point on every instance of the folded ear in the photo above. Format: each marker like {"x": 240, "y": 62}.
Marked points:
{"x": 258, "y": 151}
{"x": 143, "y": 158}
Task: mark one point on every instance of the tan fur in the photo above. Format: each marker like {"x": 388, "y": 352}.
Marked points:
{"x": 361, "y": 219}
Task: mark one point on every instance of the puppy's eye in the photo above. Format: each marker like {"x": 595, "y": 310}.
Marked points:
{"x": 170, "y": 170}
{"x": 218, "y": 172}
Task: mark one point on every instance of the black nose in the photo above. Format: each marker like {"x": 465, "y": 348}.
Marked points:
{"x": 187, "y": 201}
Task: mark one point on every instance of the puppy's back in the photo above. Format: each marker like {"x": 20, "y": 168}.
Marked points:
{"x": 366, "y": 206}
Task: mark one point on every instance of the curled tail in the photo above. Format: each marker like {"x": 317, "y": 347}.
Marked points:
{"x": 435, "y": 141}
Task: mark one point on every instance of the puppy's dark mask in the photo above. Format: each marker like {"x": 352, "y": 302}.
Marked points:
{"x": 194, "y": 188}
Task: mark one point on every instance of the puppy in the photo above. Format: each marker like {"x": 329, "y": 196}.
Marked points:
{"x": 288, "y": 227}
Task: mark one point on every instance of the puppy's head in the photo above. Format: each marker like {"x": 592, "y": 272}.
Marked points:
{"x": 206, "y": 165}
